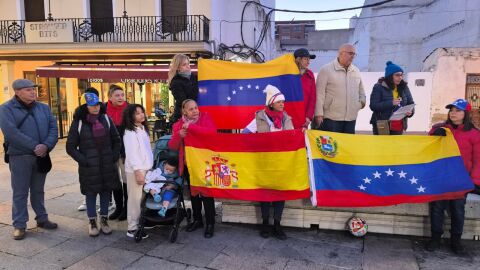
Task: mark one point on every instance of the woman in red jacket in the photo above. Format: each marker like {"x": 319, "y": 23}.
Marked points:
{"x": 468, "y": 140}
{"x": 302, "y": 59}
{"x": 193, "y": 119}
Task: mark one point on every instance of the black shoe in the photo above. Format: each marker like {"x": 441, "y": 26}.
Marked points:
{"x": 265, "y": 229}
{"x": 278, "y": 232}
{"x": 433, "y": 244}
{"x": 47, "y": 224}
{"x": 456, "y": 245}
{"x": 209, "y": 231}
{"x": 118, "y": 211}
{"x": 123, "y": 215}
{"x": 194, "y": 225}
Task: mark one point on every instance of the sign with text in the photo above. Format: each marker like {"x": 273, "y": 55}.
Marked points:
{"x": 49, "y": 32}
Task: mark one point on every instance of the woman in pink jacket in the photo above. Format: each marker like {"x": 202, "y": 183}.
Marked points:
{"x": 192, "y": 119}
{"x": 468, "y": 140}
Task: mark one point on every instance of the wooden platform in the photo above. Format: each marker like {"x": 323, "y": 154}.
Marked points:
{"x": 405, "y": 219}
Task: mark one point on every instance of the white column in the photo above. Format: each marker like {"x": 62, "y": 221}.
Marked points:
{"x": 158, "y": 8}
{"x": 20, "y": 4}
{"x": 86, "y": 8}
{"x": 7, "y": 76}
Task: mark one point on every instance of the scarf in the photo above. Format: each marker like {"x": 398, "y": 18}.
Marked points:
{"x": 275, "y": 116}
{"x": 185, "y": 74}
{"x": 25, "y": 105}
{"x": 98, "y": 130}
{"x": 115, "y": 112}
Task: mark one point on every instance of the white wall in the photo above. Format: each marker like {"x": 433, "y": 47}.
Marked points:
{"x": 450, "y": 71}
{"x": 65, "y": 9}
{"x": 134, "y": 8}
{"x": 408, "y": 38}
{"x": 8, "y": 9}
{"x": 225, "y": 24}
{"x": 420, "y": 122}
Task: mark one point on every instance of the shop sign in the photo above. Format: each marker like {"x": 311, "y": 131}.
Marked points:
{"x": 49, "y": 32}
{"x": 140, "y": 81}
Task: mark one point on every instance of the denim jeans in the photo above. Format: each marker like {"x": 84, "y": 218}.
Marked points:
{"x": 456, "y": 210}
{"x": 91, "y": 200}
{"x": 338, "y": 126}
{"x": 25, "y": 179}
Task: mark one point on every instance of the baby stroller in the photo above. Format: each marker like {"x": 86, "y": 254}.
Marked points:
{"x": 176, "y": 211}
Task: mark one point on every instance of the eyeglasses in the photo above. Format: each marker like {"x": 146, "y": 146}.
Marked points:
{"x": 350, "y": 53}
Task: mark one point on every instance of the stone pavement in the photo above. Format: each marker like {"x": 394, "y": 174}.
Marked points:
{"x": 234, "y": 246}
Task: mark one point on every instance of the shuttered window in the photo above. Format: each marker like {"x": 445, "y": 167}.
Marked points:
{"x": 101, "y": 12}
{"x": 34, "y": 11}
{"x": 174, "y": 15}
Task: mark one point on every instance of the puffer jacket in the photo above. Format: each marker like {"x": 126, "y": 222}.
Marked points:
{"x": 469, "y": 144}
{"x": 97, "y": 170}
{"x": 381, "y": 101}
{"x": 182, "y": 89}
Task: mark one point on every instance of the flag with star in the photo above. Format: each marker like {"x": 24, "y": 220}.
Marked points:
{"x": 365, "y": 170}
{"x": 231, "y": 92}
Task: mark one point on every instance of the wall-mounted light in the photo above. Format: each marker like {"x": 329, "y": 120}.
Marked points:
{"x": 50, "y": 18}
{"x": 124, "y": 10}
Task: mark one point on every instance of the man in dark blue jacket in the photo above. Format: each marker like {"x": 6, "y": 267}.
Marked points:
{"x": 31, "y": 132}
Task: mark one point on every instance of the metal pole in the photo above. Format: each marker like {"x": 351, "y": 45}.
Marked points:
{"x": 50, "y": 18}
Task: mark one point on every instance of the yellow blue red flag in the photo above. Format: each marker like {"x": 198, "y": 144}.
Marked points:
{"x": 365, "y": 170}
{"x": 232, "y": 92}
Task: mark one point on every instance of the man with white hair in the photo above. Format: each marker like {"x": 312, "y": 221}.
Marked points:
{"x": 340, "y": 93}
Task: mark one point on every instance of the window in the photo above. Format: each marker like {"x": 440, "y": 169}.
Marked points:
{"x": 34, "y": 10}
{"x": 174, "y": 15}
{"x": 101, "y": 12}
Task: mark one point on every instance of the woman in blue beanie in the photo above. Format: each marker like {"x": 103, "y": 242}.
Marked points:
{"x": 390, "y": 93}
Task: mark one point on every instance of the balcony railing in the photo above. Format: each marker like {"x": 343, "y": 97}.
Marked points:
{"x": 121, "y": 29}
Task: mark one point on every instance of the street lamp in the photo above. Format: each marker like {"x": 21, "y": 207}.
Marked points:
{"x": 124, "y": 10}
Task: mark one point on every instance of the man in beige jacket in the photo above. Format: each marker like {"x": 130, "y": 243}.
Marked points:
{"x": 340, "y": 93}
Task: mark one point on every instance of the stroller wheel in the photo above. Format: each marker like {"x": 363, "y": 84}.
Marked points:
{"x": 173, "y": 235}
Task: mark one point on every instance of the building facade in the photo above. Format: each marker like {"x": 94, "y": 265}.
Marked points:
{"x": 67, "y": 46}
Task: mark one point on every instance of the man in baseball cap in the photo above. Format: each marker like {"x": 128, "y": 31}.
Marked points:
{"x": 302, "y": 52}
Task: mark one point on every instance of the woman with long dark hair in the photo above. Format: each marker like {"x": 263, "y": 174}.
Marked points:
{"x": 138, "y": 160}
{"x": 468, "y": 141}
{"x": 388, "y": 95}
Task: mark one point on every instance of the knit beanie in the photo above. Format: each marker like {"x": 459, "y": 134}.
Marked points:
{"x": 273, "y": 95}
{"x": 391, "y": 68}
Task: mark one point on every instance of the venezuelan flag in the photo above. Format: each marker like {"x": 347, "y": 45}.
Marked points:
{"x": 232, "y": 92}
{"x": 254, "y": 167}
{"x": 365, "y": 170}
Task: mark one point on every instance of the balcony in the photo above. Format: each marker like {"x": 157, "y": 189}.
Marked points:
{"x": 141, "y": 29}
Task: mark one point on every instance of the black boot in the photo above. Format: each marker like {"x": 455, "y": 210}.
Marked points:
{"x": 209, "y": 231}
{"x": 118, "y": 197}
{"x": 194, "y": 225}
{"x": 265, "y": 229}
{"x": 123, "y": 214}
{"x": 456, "y": 244}
{"x": 278, "y": 231}
{"x": 434, "y": 242}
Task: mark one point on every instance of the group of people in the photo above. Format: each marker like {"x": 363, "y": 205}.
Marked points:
{"x": 111, "y": 144}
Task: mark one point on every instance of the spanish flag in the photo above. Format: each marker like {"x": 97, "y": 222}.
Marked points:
{"x": 232, "y": 92}
{"x": 365, "y": 170}
{"x": 255, "y": 167}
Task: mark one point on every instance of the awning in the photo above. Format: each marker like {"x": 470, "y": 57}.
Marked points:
{"x": 95, "y": 73}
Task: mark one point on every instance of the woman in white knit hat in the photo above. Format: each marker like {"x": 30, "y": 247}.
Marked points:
{"x": 272, "y": 118}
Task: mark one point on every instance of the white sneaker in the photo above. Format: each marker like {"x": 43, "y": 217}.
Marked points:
{"x": 111, "y": 207}
{"x": 82, "y": 207}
